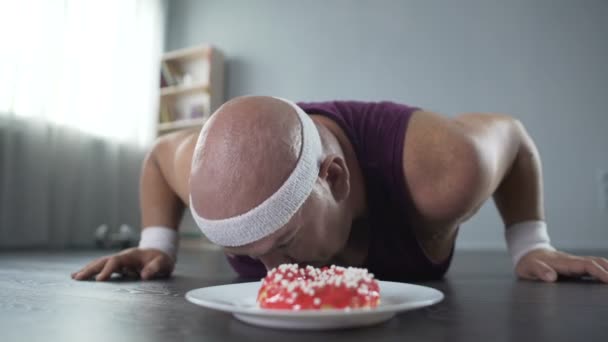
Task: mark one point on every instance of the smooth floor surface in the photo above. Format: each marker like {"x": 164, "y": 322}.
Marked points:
{"x": 484, "y": 302}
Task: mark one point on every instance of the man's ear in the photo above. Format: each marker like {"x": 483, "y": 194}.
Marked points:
{"x": 334, "y": 171}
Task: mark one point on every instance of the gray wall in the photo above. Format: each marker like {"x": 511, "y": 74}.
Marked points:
{"x": 542, "y": 61}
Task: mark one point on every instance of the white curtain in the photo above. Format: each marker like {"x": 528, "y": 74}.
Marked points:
{"x": 78, "y": 97}
{"x": 91, "y": 65}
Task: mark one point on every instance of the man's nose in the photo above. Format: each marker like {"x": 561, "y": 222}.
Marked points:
{"x": 274, "y": 259}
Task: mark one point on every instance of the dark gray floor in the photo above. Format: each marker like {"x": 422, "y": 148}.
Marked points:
{"x": 40, "y": 302}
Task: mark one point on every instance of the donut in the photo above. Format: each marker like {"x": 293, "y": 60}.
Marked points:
{"x": 291, "y": 287}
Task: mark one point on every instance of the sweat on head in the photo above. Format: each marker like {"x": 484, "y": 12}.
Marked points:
{"x": 272, "y": 212}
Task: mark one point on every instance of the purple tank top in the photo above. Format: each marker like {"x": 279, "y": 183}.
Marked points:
{"x": 377, "y": 132}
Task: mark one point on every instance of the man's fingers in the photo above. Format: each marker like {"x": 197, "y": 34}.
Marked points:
{"x": 151, "y": 268}
{"x": 595, "y": 269}
{"x": 584, "y": 265}
{"x": 602, "y": 261}
{"x": 130, "y": 262}
{"x": 536, "y": 270}
{"x": 91, "y": 269}
{"x": 112, "y": 265}
{"x": 543, "y": 271}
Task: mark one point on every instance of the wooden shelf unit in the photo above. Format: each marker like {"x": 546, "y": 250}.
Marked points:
{"x": 192, "y": 87}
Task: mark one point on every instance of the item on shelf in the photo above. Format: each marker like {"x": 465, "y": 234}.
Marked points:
{"x": 186, "y": 79}
{"x": 168, "y": 75}
{"x": 198, "y": 111}
{"x": 165, "y": 114}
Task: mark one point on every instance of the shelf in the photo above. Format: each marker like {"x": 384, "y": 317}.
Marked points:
{"x": 183, "y": 89}
{"x": 188, "y": 53}
{"x": 202, "y": 68}
{"x": 167, "y": 127}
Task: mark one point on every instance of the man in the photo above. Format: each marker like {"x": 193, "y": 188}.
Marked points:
{"x": 379, "y": 185}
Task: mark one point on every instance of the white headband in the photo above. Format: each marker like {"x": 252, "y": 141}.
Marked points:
{"x": 278, "y": 209}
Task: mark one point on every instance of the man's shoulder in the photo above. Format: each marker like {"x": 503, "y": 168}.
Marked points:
{"x": 436, "y": 151}
{"x": 174, "y": 153}
{"x": 167, "y": 146}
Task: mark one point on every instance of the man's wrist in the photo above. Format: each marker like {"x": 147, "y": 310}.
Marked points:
{"x": 524, "y": 237}
{"x": 161, "y": 238}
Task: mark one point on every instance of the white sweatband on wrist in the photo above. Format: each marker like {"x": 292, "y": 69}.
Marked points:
{"x": 277, "y": 210}
{"x": 161, "y": 238}
{"x": 523, "y": 237}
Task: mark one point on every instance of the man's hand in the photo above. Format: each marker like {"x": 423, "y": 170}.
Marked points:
{"x": 545, "y": 265}
{"x": 146, "y": 263}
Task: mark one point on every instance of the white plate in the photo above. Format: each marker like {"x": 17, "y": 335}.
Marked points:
{"x": 240, "y": 300}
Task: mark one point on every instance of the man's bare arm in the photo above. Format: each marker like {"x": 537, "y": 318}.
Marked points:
{"x": 454, "y": 165}
{"x": 159, "y": 202}
{"x": 160, "y": 206}
{"x": 509, "y": 168}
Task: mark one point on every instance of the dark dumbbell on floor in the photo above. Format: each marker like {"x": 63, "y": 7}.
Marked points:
{"x": 124, "y": 238}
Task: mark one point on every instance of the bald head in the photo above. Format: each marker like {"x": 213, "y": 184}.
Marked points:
{"x": 245, "y": 152}
{"x": 268, "y": 181}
